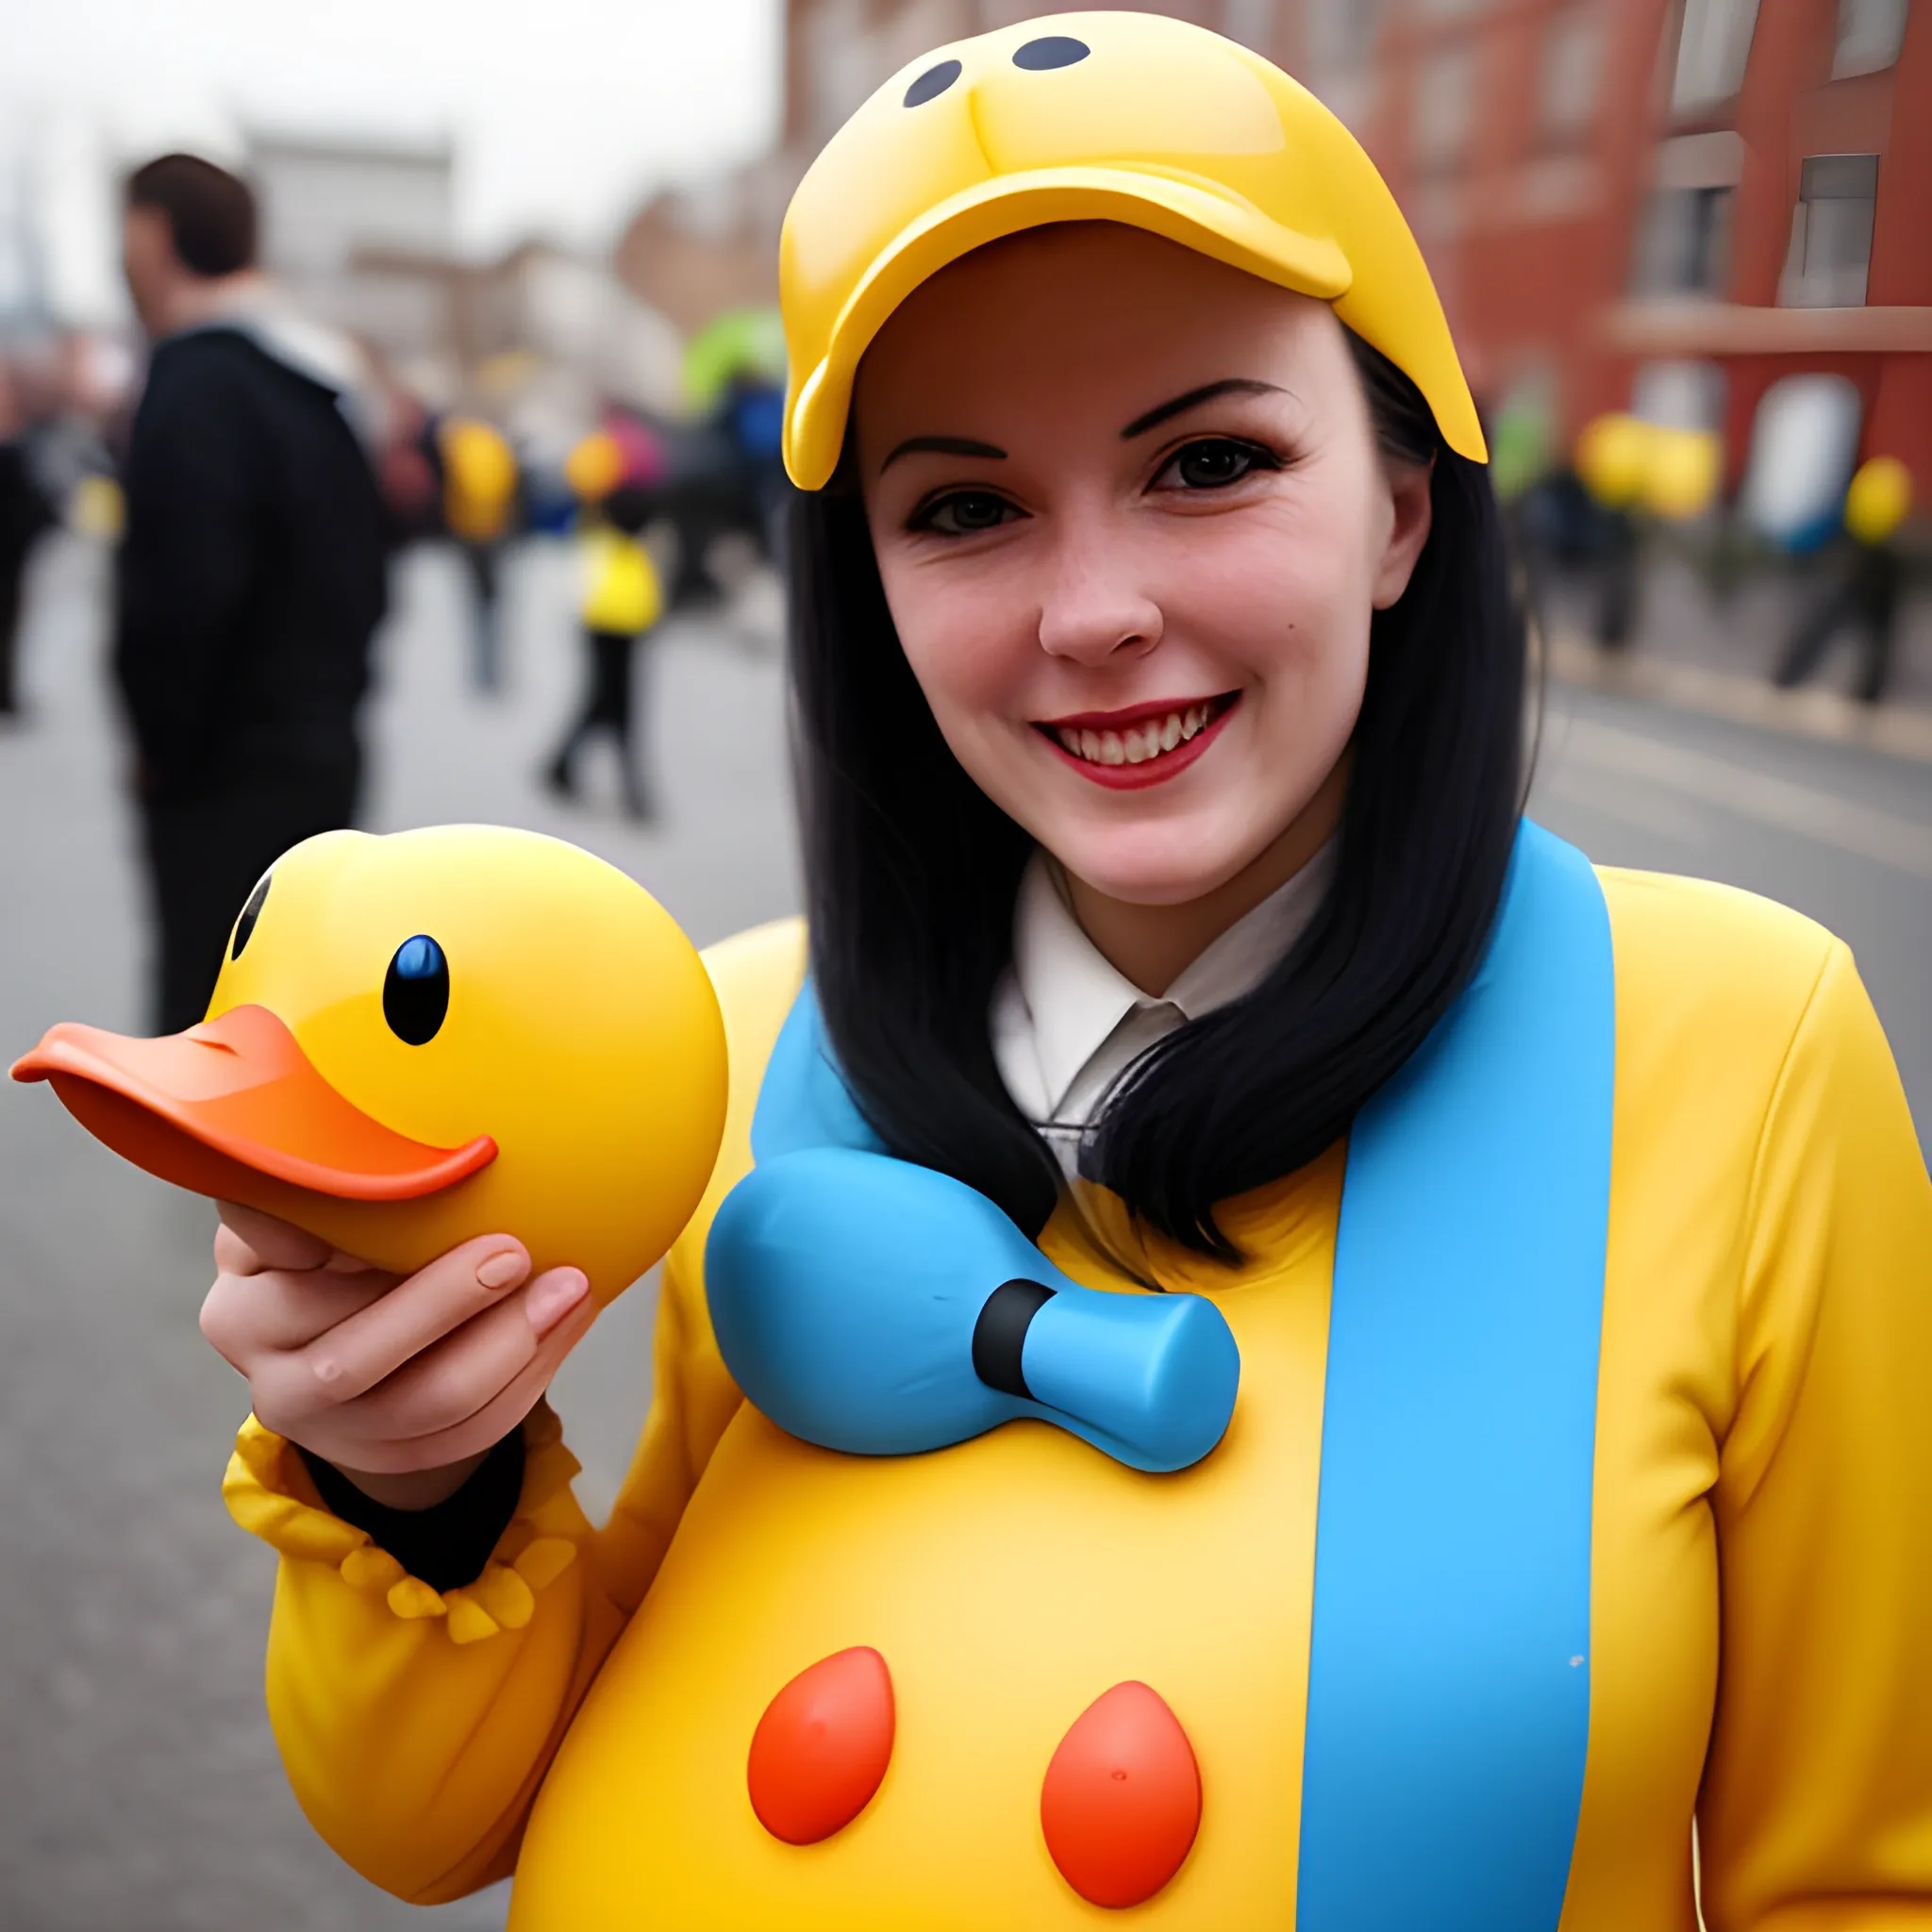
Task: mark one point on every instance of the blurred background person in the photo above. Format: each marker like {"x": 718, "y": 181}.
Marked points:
{"x": 479, "y": 491}
{"x": 622, "y": 600}
{"x": 1864, "y": 590}
{"x": 252, "y": 571}
{"x": 25, "y": 513}
{"x": 1611, "y": 457}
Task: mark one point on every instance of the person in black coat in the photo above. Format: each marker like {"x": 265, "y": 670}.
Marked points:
{"x": 251, "y": 577}
{"x": 25, "y": 513}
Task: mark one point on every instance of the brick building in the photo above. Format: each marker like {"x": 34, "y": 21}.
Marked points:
{"x": 1671, "y": 201}
{"x": 1674, "y": 201}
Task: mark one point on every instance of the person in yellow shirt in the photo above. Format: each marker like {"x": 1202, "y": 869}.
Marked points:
{"x": 622, "y": 602}
{"x": 1177, "y": 962}
{"x": 480, "y": 487}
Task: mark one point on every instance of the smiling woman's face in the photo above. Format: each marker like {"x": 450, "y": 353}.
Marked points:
{"x": 1132, "y": 523}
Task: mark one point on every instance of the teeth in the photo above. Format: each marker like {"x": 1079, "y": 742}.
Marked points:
{"x": 1139, "y": 742}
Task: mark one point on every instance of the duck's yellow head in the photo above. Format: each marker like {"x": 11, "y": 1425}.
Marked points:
{"x": 424, "y": 1037}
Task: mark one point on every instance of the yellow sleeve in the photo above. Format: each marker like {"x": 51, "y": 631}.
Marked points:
{"x": 416, "y": 1725}
{"x": 1816, "y": 1808}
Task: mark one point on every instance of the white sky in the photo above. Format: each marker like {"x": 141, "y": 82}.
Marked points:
{"x": 565, "y": 113}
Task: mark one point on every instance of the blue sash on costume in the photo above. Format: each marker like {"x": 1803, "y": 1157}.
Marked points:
{"x": 1449, "y": 1671}
{"x": 1449, "y": 1674}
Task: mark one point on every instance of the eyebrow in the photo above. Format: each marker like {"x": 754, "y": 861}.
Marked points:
{"x": 943, "y": 446}
{"x": 1228, "y": 386}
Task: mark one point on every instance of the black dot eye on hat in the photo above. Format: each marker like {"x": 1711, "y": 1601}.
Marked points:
{"x": 415, "y": 990}
{"x": 1052, "y": 50}
{"x": 932, "y": 83}
{"x": 250, "y": 913}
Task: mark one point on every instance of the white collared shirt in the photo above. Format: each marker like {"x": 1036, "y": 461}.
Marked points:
{"x": 1066, "y": 1023}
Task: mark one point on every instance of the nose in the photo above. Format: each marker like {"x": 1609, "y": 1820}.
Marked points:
{"x": 1095, "y": 609}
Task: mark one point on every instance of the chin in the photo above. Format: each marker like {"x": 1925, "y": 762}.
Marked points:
{"x": 1175, "y": 870}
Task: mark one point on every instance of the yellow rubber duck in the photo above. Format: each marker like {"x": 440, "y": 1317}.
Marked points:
{"x": 428, "y": 1036}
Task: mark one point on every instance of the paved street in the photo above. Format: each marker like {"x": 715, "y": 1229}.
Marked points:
{"x": 139, "y": 1787}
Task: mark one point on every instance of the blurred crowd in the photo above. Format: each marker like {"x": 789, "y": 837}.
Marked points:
{"x": 256, "y": 472}
{"x": 1800, "y": 505}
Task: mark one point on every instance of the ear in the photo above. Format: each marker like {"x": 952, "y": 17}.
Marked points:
{"x": 1408, "y": 530}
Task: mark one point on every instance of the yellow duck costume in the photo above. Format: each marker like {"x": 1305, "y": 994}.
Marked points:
{"x": 1754, "y": 1473}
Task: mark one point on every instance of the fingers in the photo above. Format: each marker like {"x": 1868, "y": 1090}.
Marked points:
{"x": 373, "y": 1344}
{"x": 339, "y": 1361}
{"x": 233, "y": 1256}
{"x": 488, "y": 1424}
{"x": 383, "y": 1376}
{"x": 258, "y": 1241}
{"x": 447, "y": 1383}
{"x": 249, "y": 1319}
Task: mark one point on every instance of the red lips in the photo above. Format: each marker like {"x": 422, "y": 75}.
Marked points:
{"x": 1155, "y": 771}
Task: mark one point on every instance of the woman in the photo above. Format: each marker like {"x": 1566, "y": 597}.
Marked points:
{"x": 1159, "y": 704}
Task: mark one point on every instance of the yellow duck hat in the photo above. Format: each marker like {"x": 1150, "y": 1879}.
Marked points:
{"x": 425, "y": 1037}
{"x": 1123, "y": 117}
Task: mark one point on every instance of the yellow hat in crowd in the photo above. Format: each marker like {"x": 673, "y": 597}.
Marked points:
{"x": 1626, "y": 462}
{"x": 1125, "y": 117}
{"x": 1878, "y": 498}
{"x": 595, "y": 467}
{"x": 479, "y": 478}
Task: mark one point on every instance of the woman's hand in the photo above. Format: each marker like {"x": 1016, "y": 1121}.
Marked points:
{"x": 404, "y": 1385}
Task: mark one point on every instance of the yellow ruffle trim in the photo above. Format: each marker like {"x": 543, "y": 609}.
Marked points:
{"x": 266, "y": 1491}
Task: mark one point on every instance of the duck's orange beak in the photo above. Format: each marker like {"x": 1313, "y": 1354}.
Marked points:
{"x": 232, "y": 1099}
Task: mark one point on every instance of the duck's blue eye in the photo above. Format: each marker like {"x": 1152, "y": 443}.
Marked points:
{"x": 415, "y": 991}
{"x": 250, "y": 913}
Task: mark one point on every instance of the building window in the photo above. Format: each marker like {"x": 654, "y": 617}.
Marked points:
{"x": 1714, "y": 45}
{"x": 1831, "y": 233}
{"x": 1571, "y": 75}
{"x": 1445, "y": 109}
{"x": 1869, "y": 33}
{"x": 1250, "y": 22}
{"x": 1679, "y": 394}
{"x": 1684, "y": 245}
{"x": 841, "y": 62}
{"x": 1339, "y": 37}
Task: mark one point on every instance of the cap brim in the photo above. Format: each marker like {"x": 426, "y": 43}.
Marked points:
{"x": 1198, "y": 215}
{"x": 232, "y": 1099}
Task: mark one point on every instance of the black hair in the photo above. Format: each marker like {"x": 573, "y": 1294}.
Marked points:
{"x": 211, "y": 213}
{"x": 911, "y": 874}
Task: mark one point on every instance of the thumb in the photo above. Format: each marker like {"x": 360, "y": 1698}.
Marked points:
{"x": 266, "y": 1241}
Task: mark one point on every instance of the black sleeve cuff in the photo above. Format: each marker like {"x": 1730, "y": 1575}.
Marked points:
{"x": 447, "y": 1544}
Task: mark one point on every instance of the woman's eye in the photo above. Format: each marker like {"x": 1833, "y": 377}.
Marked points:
{"x": 965, "y": 513}
{"x": 1214, "y": 462}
